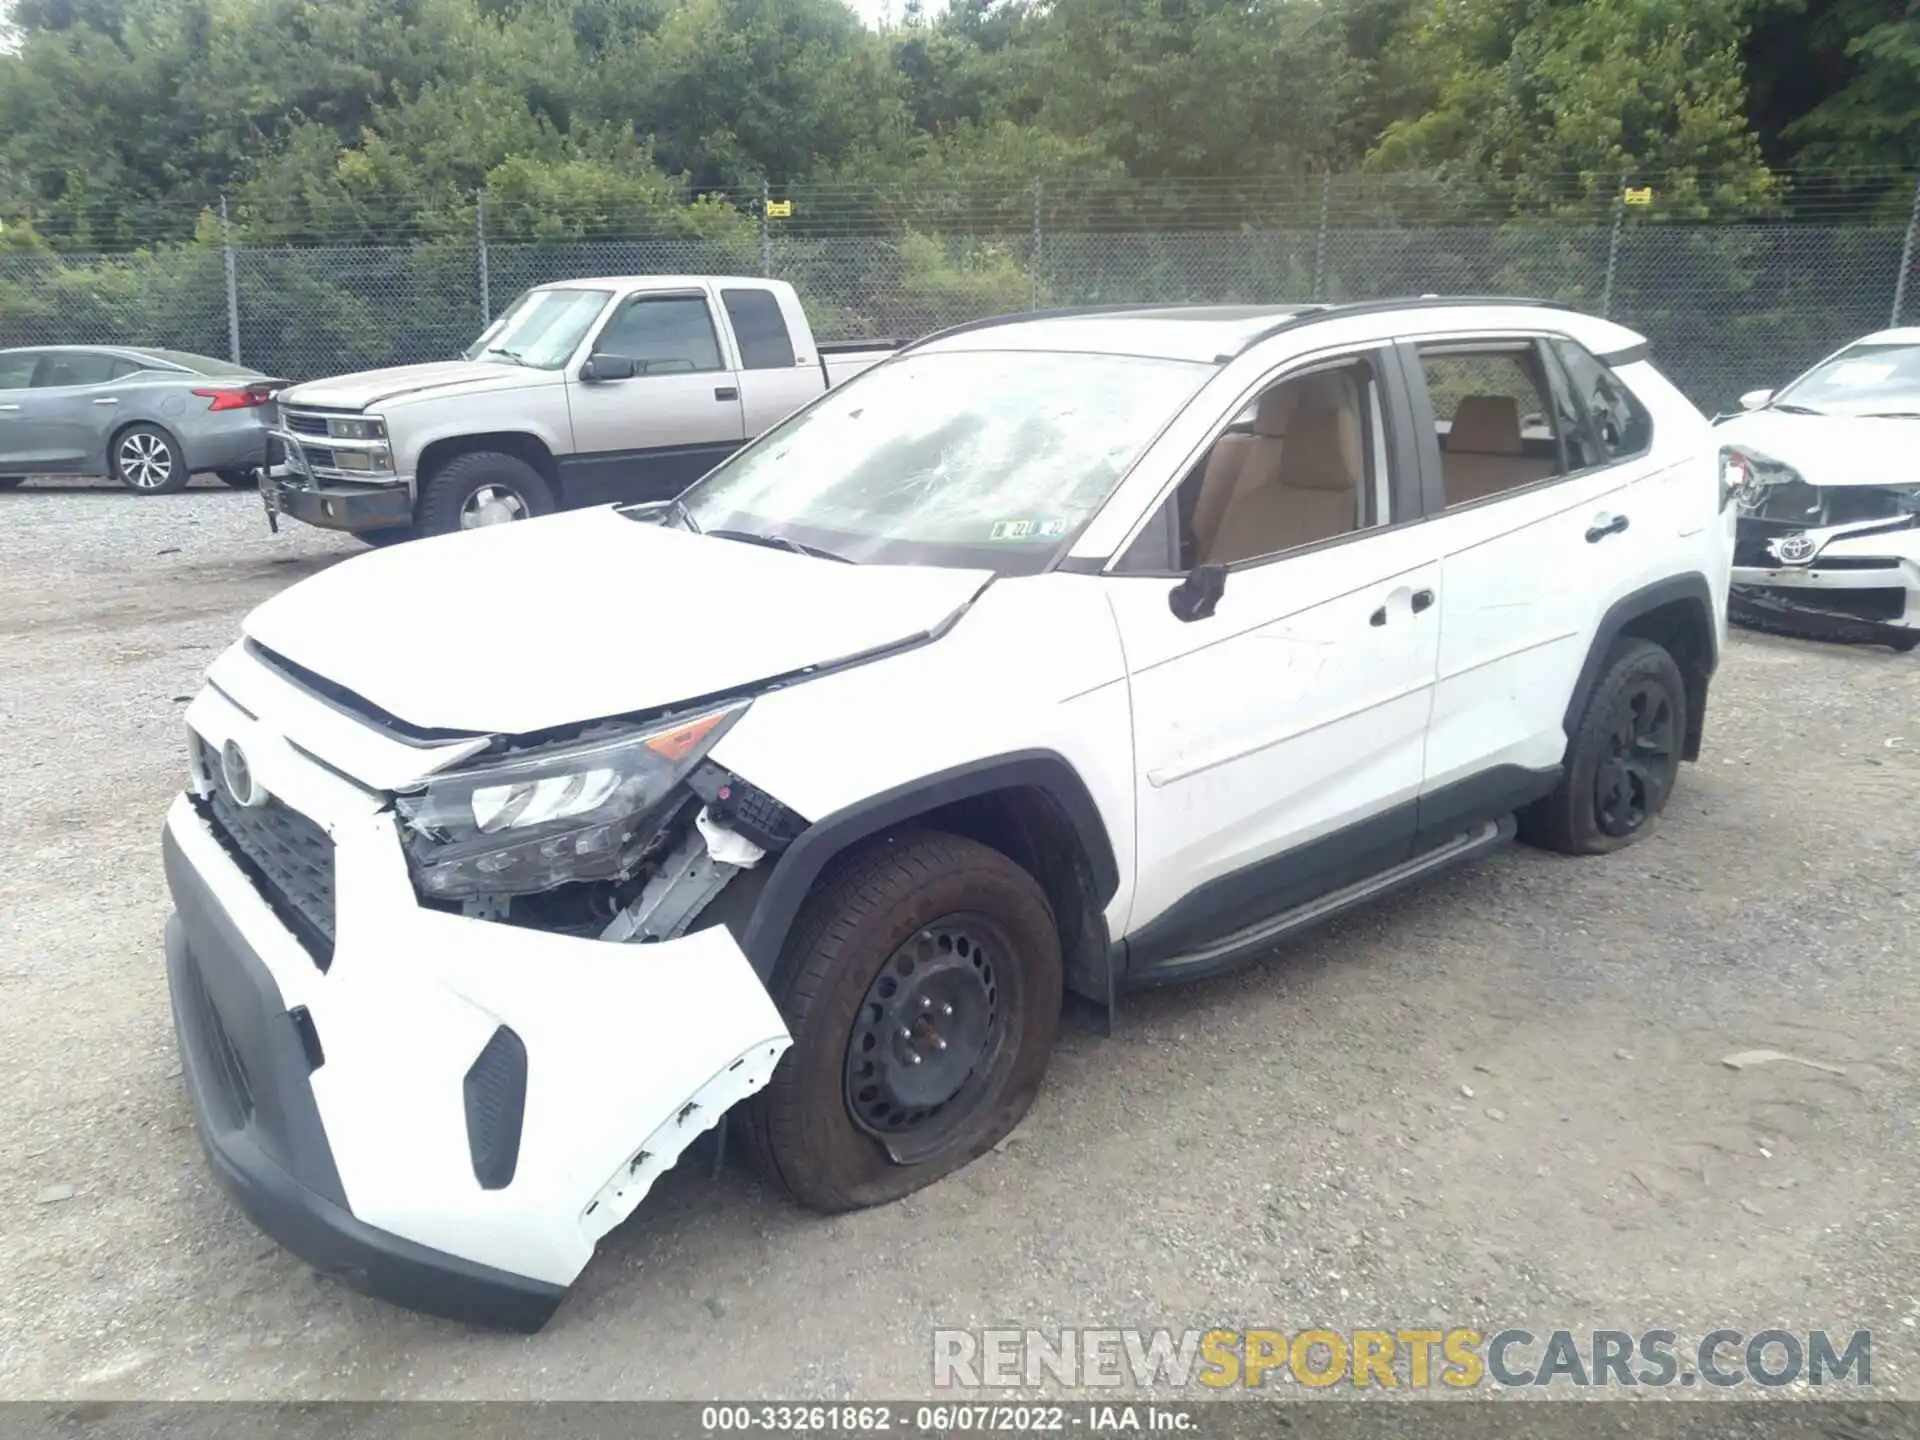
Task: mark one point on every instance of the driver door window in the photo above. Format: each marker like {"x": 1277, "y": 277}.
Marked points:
{"x": 664, "y": 335}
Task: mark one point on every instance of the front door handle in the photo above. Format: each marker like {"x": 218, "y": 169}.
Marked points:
{"x": 106, "y": 400}
{"x": 1599, "y": 531}
{"x": 1422, "y": 600}
{"x": 9, "y": 407}
{"x": 726, "y": 392}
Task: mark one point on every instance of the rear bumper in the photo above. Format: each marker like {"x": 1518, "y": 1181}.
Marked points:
{"x": 246, "y": 1071}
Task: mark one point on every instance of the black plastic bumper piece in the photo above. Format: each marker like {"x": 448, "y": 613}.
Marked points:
{"x": 1768, "y": 610}
{"x": 345, "y": 507}
{"x": 246, "y": 1072}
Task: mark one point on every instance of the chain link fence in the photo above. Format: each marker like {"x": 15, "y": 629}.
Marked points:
{"x": 1729, "y": 305}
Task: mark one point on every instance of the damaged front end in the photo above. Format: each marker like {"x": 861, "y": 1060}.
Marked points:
{"x": 624, "y": 833}
{"x": 1827, "y": 561}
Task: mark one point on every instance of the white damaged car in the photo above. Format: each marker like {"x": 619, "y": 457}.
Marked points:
{"x": 1069, "y": 652}
{"x": 1829, "y": 544}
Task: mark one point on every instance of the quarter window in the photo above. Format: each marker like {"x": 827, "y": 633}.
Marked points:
{"x": 1620, "y": 422}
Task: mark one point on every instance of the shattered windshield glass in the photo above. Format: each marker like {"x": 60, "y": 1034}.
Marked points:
{"x": 976, "y": 459}
{"x": 1879, "y": 379}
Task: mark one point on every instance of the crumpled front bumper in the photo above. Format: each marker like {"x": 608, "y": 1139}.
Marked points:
{"x": 1864, "y": 600}
{"x": 351, "y": 1108}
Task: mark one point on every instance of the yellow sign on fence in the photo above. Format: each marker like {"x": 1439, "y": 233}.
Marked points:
{"x": 779, "y": 209}
{"x": 1642, "y": 196}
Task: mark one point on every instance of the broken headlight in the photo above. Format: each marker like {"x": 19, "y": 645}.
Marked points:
{"x": 531, "y": 822}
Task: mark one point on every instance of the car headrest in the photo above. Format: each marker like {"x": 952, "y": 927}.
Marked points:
{"x": 1486, "y": 425}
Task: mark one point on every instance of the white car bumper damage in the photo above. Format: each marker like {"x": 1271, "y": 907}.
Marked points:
{"x": 445, "y": 1111}
{"x": 1864, "y": 589}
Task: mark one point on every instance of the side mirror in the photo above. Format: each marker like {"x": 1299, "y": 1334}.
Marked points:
{"x": 608, "y": 367}
{"x": 1194, "y": 597}
{"x": 1755, "y": 399}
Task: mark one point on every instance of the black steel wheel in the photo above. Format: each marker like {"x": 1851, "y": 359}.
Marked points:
{"x": 1622, "y": 760}
{"x": 922, "y": 987}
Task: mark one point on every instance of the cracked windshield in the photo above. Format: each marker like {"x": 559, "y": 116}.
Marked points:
{"x": 988, "y": 459}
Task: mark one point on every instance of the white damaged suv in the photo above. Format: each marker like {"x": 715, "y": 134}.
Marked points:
{"x": 1068, "y": 652}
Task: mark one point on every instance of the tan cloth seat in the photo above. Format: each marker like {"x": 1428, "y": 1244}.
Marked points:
{"x": 1302, "y": 491}
{"x": 1230, "y": 457}
{"x": 1484, "y": 454}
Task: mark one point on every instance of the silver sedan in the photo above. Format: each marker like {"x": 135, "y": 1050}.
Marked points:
{"x": 148, "y": 418}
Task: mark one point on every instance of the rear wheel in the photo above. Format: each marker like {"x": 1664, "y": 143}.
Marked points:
{"x": 1623, "y": 759}
{"x": 147, "y": 460}
{"x": 239, "y": 479}
{"x": 922, "y": 989}
{"x": 1901, "y": 644}
{"x": 482, "y": 488}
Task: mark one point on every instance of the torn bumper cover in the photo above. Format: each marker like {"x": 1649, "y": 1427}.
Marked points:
{"x": 1859, "y": 600}
{"x": 449, "y": 1113}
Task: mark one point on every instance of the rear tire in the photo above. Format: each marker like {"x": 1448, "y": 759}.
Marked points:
{"x": 239, "y": 479}
{"x": 1901, "y": 644}
{"x": 147, "y": 460}
{"x": 923, "y": 930}
{"x": 481, "y": 488}
{"x": 1622, "y": 760}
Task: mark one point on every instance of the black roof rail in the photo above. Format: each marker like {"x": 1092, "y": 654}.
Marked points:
{"x": 1375, "y": 307}
{"x": 1065, "y": 312}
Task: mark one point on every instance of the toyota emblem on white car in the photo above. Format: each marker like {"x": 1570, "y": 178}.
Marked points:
{"x": 1794, "y": 549}
{"x": 237, "y": 775}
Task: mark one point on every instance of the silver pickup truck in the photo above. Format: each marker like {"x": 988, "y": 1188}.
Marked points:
{"x": 582, "y": 392}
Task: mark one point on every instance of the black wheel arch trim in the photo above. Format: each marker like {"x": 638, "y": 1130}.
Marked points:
{"x": 1688, "y": 588}
{"x": 764, "y": 934}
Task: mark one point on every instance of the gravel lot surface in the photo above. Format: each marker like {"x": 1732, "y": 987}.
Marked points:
{"x": 1498, "y": 1101}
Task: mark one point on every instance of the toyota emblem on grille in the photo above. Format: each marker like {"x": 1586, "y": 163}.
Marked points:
{"x": 1794, "y": 549}
{"x": 237, "y": 776}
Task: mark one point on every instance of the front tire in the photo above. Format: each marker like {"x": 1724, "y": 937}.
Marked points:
{"x": 920, "y": 945}
{"x": 147, "y": 460}
{"x": 1622, "y": 760}
{"x": 481, "y": 488}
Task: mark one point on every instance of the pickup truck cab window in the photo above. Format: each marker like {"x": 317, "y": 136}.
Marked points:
{"x": 541, "y": 329}
{"x": 663, "y": 335}
{"x": 974, "y": 459}
{"x": 765, "y": 343}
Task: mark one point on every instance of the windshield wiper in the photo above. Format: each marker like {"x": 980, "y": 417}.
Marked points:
{"x": 1796, "y": 409}
{"x": 777, "y": 542}
{"x": 514, "y": 355}
{"x": 677, "y": 509}
{"x": 1891, "y": 415}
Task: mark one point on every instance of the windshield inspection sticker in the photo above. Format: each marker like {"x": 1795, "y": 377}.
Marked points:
{"x": 1027, "y": 529}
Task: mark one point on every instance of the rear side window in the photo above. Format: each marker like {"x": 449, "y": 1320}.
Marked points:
{"x": 1495, "y": 422}
{"x": 1620, "y": 422}
{"x": 760, "y": 328}
{"x": 73, "y": 367}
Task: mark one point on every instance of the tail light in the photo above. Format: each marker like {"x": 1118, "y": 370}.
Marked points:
{"x": 252, "y": 397}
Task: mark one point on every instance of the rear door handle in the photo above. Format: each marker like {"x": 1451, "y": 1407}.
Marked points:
{"x": 106, "y": 400}
{"x": 1612, "y": 525}
{"x": 1422, "y": 600}
{"x": 726, "y": 392}
{"x": 9, "y": 407}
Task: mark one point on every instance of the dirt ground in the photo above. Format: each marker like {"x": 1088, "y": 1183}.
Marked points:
{"x": 1498, "y": 1101}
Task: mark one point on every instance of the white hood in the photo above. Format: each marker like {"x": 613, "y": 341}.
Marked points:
{"x": 1831, "y": 449}
{"x": 376, "y": 387}
{"x": 516, "y": 628}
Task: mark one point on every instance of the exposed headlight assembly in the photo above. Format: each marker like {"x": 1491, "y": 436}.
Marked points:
{"x": 1744, "y": 478}
{"x": 575, "y": 813}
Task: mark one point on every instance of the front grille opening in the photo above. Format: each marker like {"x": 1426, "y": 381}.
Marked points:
{"x": 289, "y": 859}
{"x": 1876, "y": 604}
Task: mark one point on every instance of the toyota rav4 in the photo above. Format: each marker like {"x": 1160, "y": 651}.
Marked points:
{"x": 1076, "y": 651}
